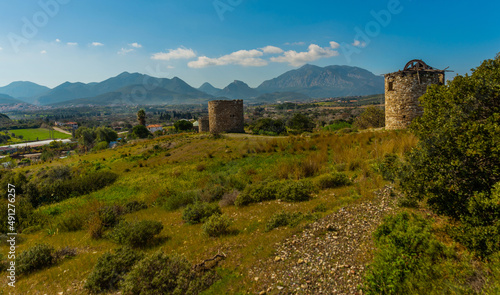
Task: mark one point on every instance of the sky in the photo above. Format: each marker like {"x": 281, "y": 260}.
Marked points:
{"x": 50, "y": 42}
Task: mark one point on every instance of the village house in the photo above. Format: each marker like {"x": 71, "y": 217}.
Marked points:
{"x": 154, "y": 128}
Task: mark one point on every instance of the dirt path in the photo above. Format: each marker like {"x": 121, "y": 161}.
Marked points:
{"x": 61, "y": 130}
{"x": 329, "y": 256}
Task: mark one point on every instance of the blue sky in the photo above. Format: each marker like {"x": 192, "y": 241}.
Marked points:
{"x": 217, "y": 41}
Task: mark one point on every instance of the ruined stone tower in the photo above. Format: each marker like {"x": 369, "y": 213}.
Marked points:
{"x": 203, "y": 124}
{"x": 404, "y": 88}
{"x": 226, "y": 116}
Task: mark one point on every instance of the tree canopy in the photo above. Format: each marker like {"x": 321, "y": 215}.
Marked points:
{"x": 456, "y": 163}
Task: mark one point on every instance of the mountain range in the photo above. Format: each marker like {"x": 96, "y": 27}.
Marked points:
{"x": 302, "y": 84}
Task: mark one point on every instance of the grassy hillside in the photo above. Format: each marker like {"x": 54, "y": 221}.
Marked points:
{"x": 168, "y": 172}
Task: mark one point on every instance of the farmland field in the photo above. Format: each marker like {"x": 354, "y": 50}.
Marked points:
{"x": 38, "y": 134}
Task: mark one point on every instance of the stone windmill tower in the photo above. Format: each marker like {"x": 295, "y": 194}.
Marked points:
{"x": 404, "y": 88}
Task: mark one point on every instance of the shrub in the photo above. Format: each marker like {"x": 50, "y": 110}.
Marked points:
{"x": 136, "y": 234}
{"x": 217, "y": 225}
{"x": 165, "y": 274}
{"x": 181, "y": 199}
{"x": 283, "y": 219}
{"x": 332, "y": 180}
{"x": 35, "y": 258}
{"x": 264, "y": 191}
{"x": 229, "y": 199}
{"x": 372, "y": 117}
{"x": 199, "y": 212}
{"x": 389, "y": 168}
{"x": 72, "y": 222}
{"x": 111, "y": 269}
{"x": 110, "y": 215}
{"x": 134, "y": 206}
{"x": 294, "y": 191}
{"x": 268, "y": 126}
{"x": 213, "y": 193}
{"x": 408, "y": 255}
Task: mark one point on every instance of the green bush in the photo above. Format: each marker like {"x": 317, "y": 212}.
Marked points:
{"x": 260, "y": 192}
{"x": 407, "y": 258}
{"x": 294, "y": 191}
{"x": 372, "y": 117}
{"x": 178, "y": 200}
{"x": 26, "y": 216}
{"x": 217, "y": 225}
{"x": 35, "y": 258}
{"x": 166, "y": 274}
{"x": 134, "y": 206}
{"x": 199, "y": 212}
{"x": 283, "y": 219}
{"x": 71, "y": 222}
{"x": 110, "y": 215}
{"x": 101, "y": 146}
{"x": 213, "y": 193}
{"x": 332, "y": 180}
{"x": 111, "y": 269}
{"x": 136, "y": 234}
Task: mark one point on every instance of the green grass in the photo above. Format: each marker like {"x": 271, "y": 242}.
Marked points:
{"x": 40, "y": 134}
{"x": 192, "y": 162}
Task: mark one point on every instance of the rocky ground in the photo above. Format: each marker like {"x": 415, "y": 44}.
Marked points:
{"x": 329, "y": 256}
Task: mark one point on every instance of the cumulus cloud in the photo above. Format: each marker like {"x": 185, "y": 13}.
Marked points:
{"x": 179, "y": 53}
{"x": 313, "y": 53}
{"x": 358, "y": 43}
{"x": 97, "y": 44}
{"x": 248, "y": 58}
{"x": 136, "y": 45}
{"x": 72, "y": 44}
{"x": 43, "y": 52}
{"x": 1, "y": 48}
{"x": 58, "y": 40}
{"x": 124, "y": 51}
{"x": 272, "y": 50}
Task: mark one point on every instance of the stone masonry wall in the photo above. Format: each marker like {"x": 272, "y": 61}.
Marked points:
{"x": 226, "y": 116}
{"x": 203, "y": 124}
{"x": 402, "y": 101}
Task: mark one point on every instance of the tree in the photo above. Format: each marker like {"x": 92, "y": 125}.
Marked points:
{"x": 86, "y": 137}
{"x": 301, "y": 122}
{"x": 105, "y": 134}
{"x": 183, "y": 125}
{"x": 141, "y": 117}
{"x": 141, "y": 131}
{"x": 372, "y": 117}
{"x": 268, "y": 125}
{"x": 458, "y": 155}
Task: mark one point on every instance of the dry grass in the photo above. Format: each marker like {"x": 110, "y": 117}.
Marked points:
{"x": 187, "y": 167}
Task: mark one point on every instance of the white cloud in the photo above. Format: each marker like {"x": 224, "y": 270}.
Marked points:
{"x": 179, "y": 53}
{"x": 358, "y": 43}
{"x": 96, "y": 44}
{"x": 136, "y": 45}
{"x": 247, "y": 58}
{"x": 43, "y": 52}
{"x": 58, "y": 40}
{"x": 334, "y": 45}
{"x": 170, "y": 67}
{"x": 124, "y": 51}
{"x": 72, "y": 44}
{"x": 313, "y": 53}
{"x": 295, "y": 43}
{"x": 1, "y": 48}
{"x": 272, "y": 50}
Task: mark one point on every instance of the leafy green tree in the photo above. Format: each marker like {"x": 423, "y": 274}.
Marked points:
{"x": 301, "y": 122}
{"x": 458, "y": 155}
{"x": 372, "y": 117}
{"x": 86, "y": 137}
{"x": 105, "y": 134}
{"x": 140, "y": 131}
{"x": 183, "y": 125}
{"x": 141, "y": 117}
{"x": 456, "y": 164}
{"x": 268, "y": 125}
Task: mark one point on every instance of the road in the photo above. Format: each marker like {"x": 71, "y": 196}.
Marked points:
{"x": 39, "y": 143}
{"x": 62, "y": 130}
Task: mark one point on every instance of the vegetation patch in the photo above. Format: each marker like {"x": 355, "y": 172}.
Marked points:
{"x": 137, "y": 234}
